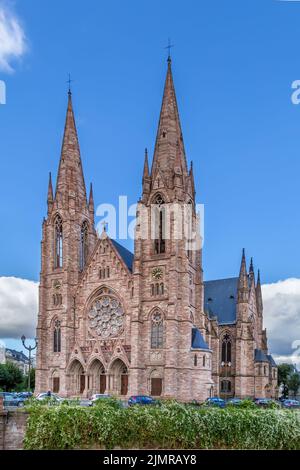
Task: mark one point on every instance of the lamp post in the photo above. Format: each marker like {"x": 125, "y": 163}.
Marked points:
{"x": 29, "y": 348}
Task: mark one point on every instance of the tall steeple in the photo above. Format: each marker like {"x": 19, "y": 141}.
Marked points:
{"x": 91, "y": 203}
{"x": 243, "y": 287}
{"x": 70, "y": 180}
{"x": 169, "y": 146}
{"x": 259, "y": 298}
{"x": 50, "y": 194}
{"x": 251, "y": 272}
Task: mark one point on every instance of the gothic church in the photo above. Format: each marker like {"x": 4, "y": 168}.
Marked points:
{"x": 111, "y": 321}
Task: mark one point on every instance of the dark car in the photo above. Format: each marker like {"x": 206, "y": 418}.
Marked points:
{"x": 25, "y": 394}
{"x": 215, "y": 401}
{"x": 288, "y": 403}
{"x": 141, "y": 400}
{"x": 265, "y": 402}
{"x": 13, "y": 400}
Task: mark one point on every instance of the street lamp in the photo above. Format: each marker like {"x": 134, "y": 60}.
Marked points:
{"x": 29, "y": 348}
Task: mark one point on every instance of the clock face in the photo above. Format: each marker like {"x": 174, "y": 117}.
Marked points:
{"x": 157, "y": 273}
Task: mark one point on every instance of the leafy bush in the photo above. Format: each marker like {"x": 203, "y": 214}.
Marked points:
{"x": 172, "y": 425}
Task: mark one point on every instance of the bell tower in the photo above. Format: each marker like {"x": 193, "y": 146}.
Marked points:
{"x": 68, "y": 238}
{"x": 167, "y": 263}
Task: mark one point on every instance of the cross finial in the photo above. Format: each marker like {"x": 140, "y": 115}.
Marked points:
{"x": 69, "y": 81}
{"x": 169, "y": 46}
{"x": 104, "y": 224}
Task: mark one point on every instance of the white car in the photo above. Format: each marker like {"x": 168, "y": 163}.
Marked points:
{"x": 99, "y": 396}
{"x": 52, "y": 396}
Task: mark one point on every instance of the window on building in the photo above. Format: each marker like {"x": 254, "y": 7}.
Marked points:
{"x": 157, "y": 331}
{"x": 226, "y": 349}
{"x": 195, "y": 360}
{"x": 58, "y": 242}
{"x": 83, "y": 252}
{"x": 225, "y": 386}
{"x": 204, "y": 361}
{"x": 57, "y": 337}
{"x": 159, "y": 242}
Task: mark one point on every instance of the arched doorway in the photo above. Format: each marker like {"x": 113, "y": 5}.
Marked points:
{"x": 118, "y": 378}
{"x": 96, "y": 377}
{"x": 55, "y": 382}
{"x": 156, "y": 383}
{"x": 76, "y": 378}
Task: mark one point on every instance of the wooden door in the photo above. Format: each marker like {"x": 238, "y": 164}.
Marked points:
{"x": 82, "y": 383}
{"x": 156, "y": 387}
{"x": 102, "y": 383}
{"x": 124, "y": 384}
{"x": 55, "y": 384}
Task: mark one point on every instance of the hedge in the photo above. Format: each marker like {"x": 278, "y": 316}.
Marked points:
{"x": 169, "y": 426}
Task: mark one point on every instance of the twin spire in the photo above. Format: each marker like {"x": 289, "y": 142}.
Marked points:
{"x": 70, "y": 182}
{"x": 169, "y": 147}
{"x": 247, "y": 281}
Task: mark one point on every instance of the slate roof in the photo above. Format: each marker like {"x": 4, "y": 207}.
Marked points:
{"x": 260, "y": 356}
{"x": 198, "y": 340}
{"x": 271, "y": 360}
{"x": 220, "y": 298}
{"x": 17, "y": 355}
{"x": 125, "y": 254}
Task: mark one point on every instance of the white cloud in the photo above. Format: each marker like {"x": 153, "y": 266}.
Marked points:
{"x": 18, "y": 307}
{"x": 282, "y": 319}
{"x": 12, "y": 37}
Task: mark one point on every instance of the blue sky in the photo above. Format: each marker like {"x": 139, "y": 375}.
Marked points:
{"x": 233, "y": 63}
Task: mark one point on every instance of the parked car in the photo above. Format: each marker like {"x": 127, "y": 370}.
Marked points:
{"x": 13, "y": 400}
{"x": 51, "y": 396}
{"x": 5, "y": 394}
{"x": 141, "y": 400}
{"x": 99, "y": 396}
{"x": 288, "y": 403}
{"x": 265, "y": 402}
{"x": 234, "y": 401}
{"x": 215, "y": 401}
{"x": 25, "y": 394}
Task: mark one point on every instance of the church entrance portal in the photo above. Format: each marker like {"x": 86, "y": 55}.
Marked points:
{"x": 118, "y": 378}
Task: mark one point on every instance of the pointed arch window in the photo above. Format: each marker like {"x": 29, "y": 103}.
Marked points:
{"x": 160, "y": 216}
{"x": 157, "y": 332}
{"x": 226, "y": 349}
{"x": 58, "y": 248}
{"x": 57, "y": 337}
{"x": 83, "y": 255}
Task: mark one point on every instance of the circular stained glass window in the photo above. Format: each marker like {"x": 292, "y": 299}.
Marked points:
{"x": 106, "y": 317}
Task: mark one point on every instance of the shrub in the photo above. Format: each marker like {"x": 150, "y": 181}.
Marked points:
{"x": 172, "y": 426}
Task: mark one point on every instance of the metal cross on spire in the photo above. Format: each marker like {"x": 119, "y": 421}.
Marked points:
{"x": 69, "y": 81}
{"x": 169, "y": 46}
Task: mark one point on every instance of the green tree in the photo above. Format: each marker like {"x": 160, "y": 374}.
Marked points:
{"x": 284, "y": 371}
{"x": 24, "y": 384}
{"x": 10, "y": 377}
{"x": 294, "y": 382}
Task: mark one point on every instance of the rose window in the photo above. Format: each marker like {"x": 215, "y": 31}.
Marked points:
{"x": 106, "y": 317}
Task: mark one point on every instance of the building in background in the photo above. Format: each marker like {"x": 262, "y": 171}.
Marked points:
{"x": 15, "y": 357}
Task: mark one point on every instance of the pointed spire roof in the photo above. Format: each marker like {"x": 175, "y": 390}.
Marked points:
{"x": 70, "y": 177}
{"x": 251, "y": 272}
{"x": 259, "y": 298}
{"x": 146, "y": 166}
{"x": 243, "y": 288}
{"x": 91, "y": 199}
{"x": 169, "y": 139}
{"x": 50, "y": 190}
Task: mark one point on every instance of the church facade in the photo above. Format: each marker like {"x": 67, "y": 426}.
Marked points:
{"x": 111, "y": 321}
